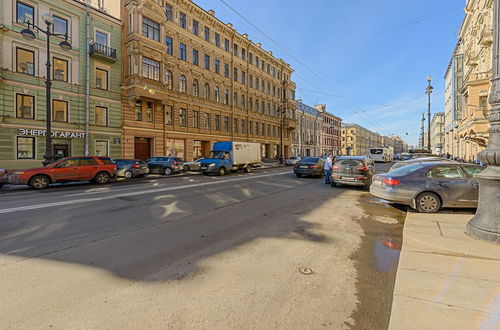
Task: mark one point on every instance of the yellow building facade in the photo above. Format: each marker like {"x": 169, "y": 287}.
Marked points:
{"x": 357, "y": 140}
{"x": 190, "y": 80}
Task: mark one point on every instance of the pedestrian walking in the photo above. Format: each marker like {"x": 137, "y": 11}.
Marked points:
{"x": 328, "y": 168}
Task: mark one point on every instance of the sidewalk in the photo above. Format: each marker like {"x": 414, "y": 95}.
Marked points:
{"x": 445, "y": 279}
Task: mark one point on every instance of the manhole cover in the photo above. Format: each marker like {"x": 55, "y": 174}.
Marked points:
{"x": 382, "y": 219}
{"x": 305, "y": 270}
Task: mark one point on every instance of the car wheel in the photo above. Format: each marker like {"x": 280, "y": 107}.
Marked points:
{"x": 102, "y": 178}
{"x": 428, "y": 202}
{"x": 221, "y": 171}
{"x": 186, "y": 168}
{"x": 298, "y": 175}
{"x": 39, "y": 182}
{"x": 167, "y": 171}
{"x": 128, "y": 175}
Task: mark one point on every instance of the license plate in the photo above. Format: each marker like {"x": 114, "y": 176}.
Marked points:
{"x": 304, "y": 167}
{"x": 349, "y": 178}
{"x": 203, "y": 167}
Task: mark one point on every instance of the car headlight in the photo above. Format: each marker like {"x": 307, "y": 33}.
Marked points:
{"x": 213, "y": 164}
{"x": 19, "y": 172}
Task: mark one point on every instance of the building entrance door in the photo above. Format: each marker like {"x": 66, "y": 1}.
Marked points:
{"x": 142, "y": 148}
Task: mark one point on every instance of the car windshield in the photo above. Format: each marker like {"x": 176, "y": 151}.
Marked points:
{"x": 376, "y": 151}
{"x": 217, "y": 154}
{"x": 310, "y": 160}
{"x": 405, "y": 170}
{"x": 349, "y": 162}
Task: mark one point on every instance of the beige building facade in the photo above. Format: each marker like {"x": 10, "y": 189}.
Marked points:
{"x": 190, "y": 80}
{"x": 357, "y": 140}
{"x": 306, "y": 139}
{"x": 437, "y": 133}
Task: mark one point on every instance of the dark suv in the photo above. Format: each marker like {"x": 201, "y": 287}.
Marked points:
{"x": 165, "y": 165}
{"x": 353, "y": 170}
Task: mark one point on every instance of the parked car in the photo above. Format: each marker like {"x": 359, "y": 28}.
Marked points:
{"x": 192, "y": 166}
{"x": 427, "y": 187}
{"x": 405, "y": 156}
{"x": 3, "y": 177}
{"x": 131, "y": 168}
{"x": 165, "y": 165}
{"x": 310, "y": 166}
{"x": 352, "y": 170}
{"x": 292, "y": 160}
{"x": 97, "y": 169}
{"x": 419, "y": 160}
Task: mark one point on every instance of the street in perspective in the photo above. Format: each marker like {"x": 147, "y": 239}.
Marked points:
{"x": 211, "y": 164}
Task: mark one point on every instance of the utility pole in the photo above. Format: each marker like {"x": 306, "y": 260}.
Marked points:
{"x": 428, "y": 91}
{"x": 485, "y": 224}
{"x": 422, "y": 133}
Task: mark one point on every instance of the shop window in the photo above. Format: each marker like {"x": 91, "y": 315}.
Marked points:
{"x": 25, "y": 147}
{"x": 175, "y": 148}
{"x": 101, "y": 79}
{"x": 60, "y": 111}
{"x": 25, "y": 60}
{"x": 23, "y": 11}
{"x": 102, "y": 148}
{"x": 25, "y": 106}
{"x": 60, "y": 25}
{"x": 168, "y": 114}
{"x": 101, "y": 116}
{"x": 60, "y": 68}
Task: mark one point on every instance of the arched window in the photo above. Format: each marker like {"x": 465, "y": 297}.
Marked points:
{"x": 226, "y": 97}
{"x": 182, "y": 84}
{"x": 207, "y": 91}
{"x": 243, "y": 102}
{"x": 196, "y": 88}
{"x": 235, "y": 99}
{"x": 217, "y": 94}
{"x": 169, "y": 79}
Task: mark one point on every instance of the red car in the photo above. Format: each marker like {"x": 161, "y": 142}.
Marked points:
{"x": 92, "y": 168}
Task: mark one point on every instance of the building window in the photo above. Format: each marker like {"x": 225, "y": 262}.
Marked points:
{"x": 217, "y": 66}
{"x": 182, "y": 84}
{"x": 207, "y": 91}
{"x": 169, "y": 12}
{"x": 60, "y": 69}
{"x": 60, "y": 25}
{"x": 226, "y": 45}
{"x": 170, "y": 48}
{"x": 25, "y": 147}
{"x": 217, "y": 122}
{"x": 150, "y": 29}
{"x": 235, "y": 125}
{"x": 60, "y": 111}
{"x": 217, "y": 94}
{"x": 182, "y": 117}
{"x": 226, "y": 97}
{"x": 182, "y": 20}
{"x": 257, "y": 105}
{"x": 235, "y": 99}
{"x": 169, "y": 79}
{"x": 483, "y": 102}
{"x": 250, "y": 103}
{"x": 235, "y": 74}
{"x": 217, "y": 40}
{"x": 250, "y": 58}
{"x": 101, "y": 38}
{"x": 256, "y": 61}
{"x": 196, "y": 88}
{"x": 243, "y": 77}
{"x": 226, "y": 70}
{"x": 243, "y": 54}
{"x": 257, "y": 82}
{"x": 101, "y": 148}
{"x": 262, "y": 65}
{"x": 206, "y": 32}
{"x": 150, "y": 69}
{"x": 196, "y": 57}
{"x": 206, "y": 122}
{"x": 25, "y": 60}
{"x": 195, "y": 27}
{"x": 226, "y": 123}
{"x": 196, "y": 119}
{"x": 235, "y": 49}
{"x": 243, "y": 102}
{"x": 149, "y": 112}
{"x": 138, "y": 110}
{"x": 207, "y": 62}
{"x": 25, "y": 106}
{"x": 101, "y": 79}
{"x": 268, "y": 68}
{"x": 168, "y": 114}
{"x": 101, "y": 116}
{"x": 24, "y": 11}
{"x": 250, "y": 80}
{"x": 130, "y": 23}
{"x": 182, "y": 51}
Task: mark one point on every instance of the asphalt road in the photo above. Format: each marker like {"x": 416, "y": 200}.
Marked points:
{"x": 261, "y": 250}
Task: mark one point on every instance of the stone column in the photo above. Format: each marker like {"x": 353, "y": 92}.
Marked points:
{"x": 485, "y": 224}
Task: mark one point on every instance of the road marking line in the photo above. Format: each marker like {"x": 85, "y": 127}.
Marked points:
{"x": 135, "y": 193}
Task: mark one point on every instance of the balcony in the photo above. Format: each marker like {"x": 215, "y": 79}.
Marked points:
{"x": 290, "y": 123}
{"x": 103, "y": 52}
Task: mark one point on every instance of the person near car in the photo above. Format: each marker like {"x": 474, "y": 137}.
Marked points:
{"x": 328, "y": 168}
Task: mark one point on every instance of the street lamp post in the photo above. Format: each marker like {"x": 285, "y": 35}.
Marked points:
{"x": 485, "y": 224}
{"x": 428, "y": 91}
{"x": 28, "y": 34}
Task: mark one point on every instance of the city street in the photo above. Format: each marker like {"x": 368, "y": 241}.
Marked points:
{"x": 259, "y": 250}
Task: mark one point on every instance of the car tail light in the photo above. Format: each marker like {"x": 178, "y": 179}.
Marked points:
{"x": 313, "y": 166}
{"x": 336, "y": 168}
{"x": 135, "y": 166}
{"x": 361, "y": 178}
{"x": 363, "y": 168}
{"x": 391, "y": 182}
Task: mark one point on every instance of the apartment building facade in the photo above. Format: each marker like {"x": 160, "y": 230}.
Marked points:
{"x": 190, "y": 80}
{"x": 357, "y": 140}
{"x": 330, "y": 133}
{"x": 84, "y": 120}
{"x": 306, "y": 139}
{"x": 437, "y": 133}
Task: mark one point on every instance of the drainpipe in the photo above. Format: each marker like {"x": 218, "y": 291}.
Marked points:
{"x": 87, "y": 77}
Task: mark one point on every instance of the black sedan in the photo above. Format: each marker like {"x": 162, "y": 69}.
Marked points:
{"x": 131, "y": 168}
{"x": 165, "y": 165}
{"x": 427, "y": 187}
{"x": 352, "y": 170}
{"x": 310, "y": 166}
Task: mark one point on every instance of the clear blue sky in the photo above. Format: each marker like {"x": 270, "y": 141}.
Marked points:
{"x": 366, "y": 55}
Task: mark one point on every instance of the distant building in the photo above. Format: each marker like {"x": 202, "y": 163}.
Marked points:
{"x": 453, "y": 78}
{"x": 357, "y": 140}
{"x": 306, "y": 139}
{"x": 437, "y": 133}
{"x": 330, "y": 133}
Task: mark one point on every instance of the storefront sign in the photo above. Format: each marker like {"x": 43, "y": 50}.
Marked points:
{"x": 116, "y": 141}
{"x": 56, "y": 134}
